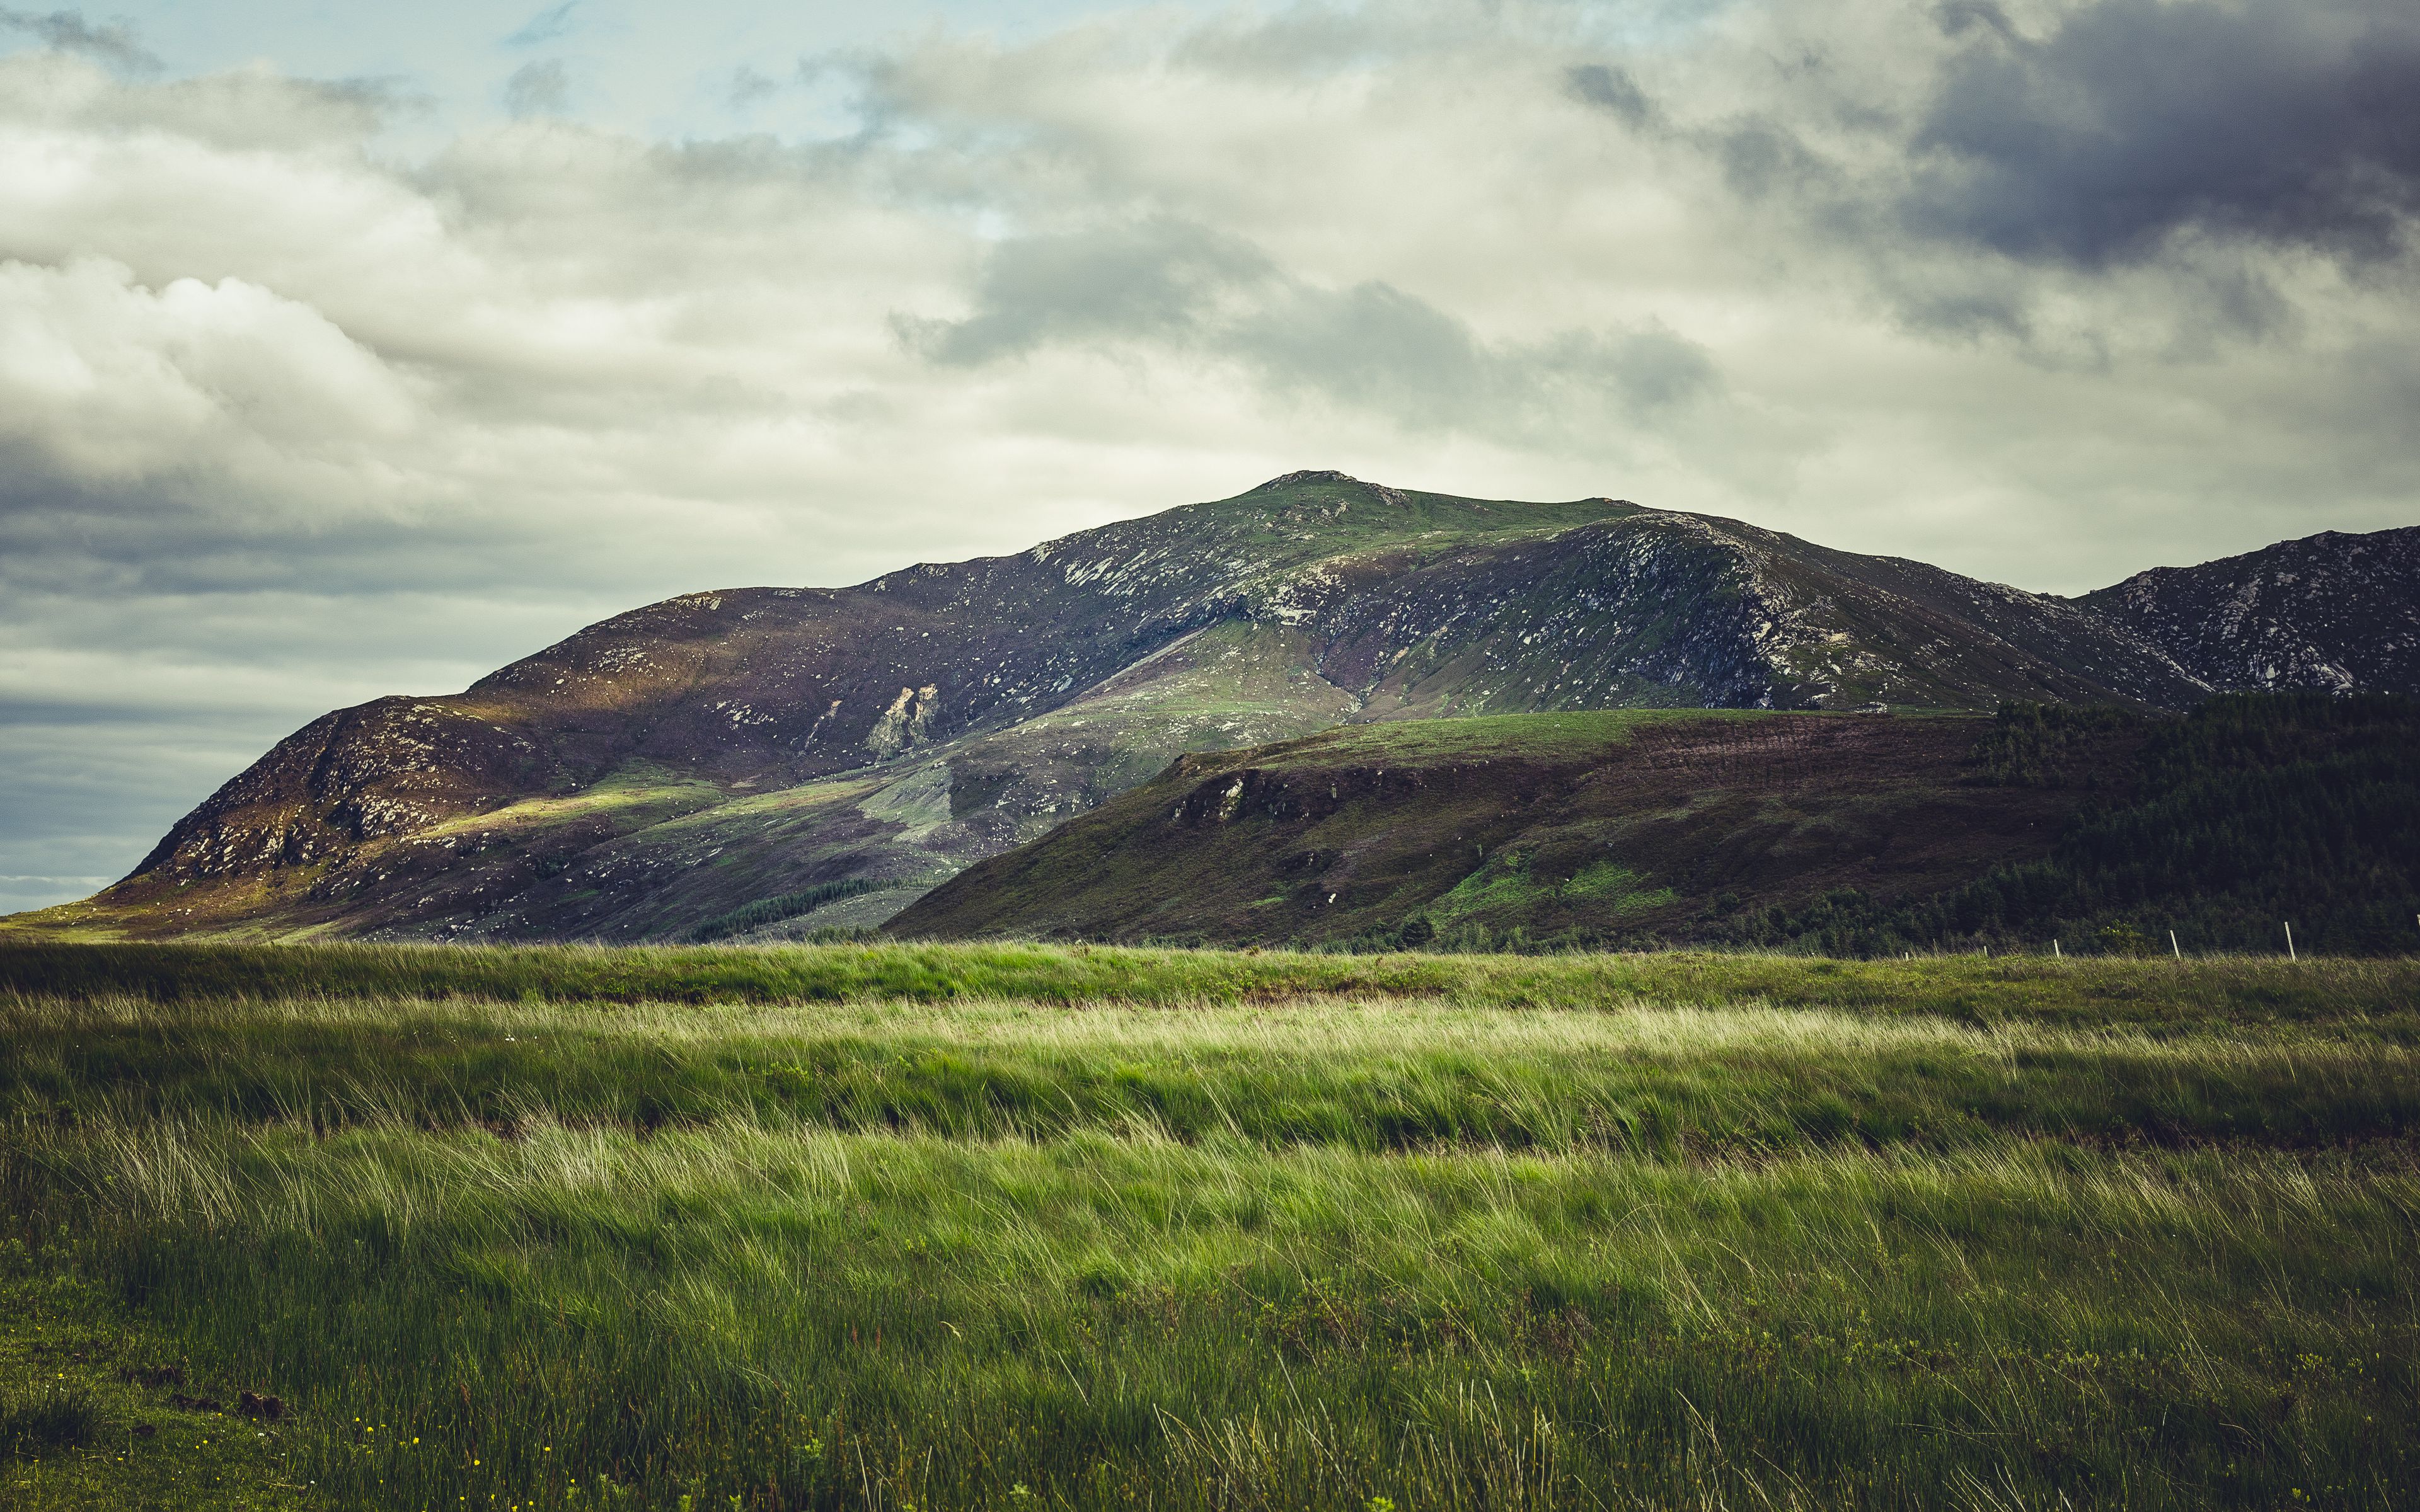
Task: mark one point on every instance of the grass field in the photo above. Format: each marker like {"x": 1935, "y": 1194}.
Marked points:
{"x": 932, "y": 1227}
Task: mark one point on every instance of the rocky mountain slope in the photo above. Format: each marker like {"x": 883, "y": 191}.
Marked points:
{"x": 2336, "y": 612}
{"x": 746, "y": 752}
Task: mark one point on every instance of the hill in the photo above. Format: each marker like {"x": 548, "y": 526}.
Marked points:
{"x": 765, "y": 762}
{"x": 1512, "y": 831}
{"x": 1849, "y": 833}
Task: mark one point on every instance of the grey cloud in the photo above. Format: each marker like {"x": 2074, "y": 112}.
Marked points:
{"x": 68, "y": 32}
{"x": 1612, "y": 90}
{"x": 748, "y": 88}
{"x": 1655, "y": 367}
{"x": 540, "y": 89}
{"x": 1964, "y": 310}
{"x": 120, "y": 708}
{"x": 244, "y": 108}
{"x": 1306, "y": 41}
{"x": 1378, "y": 348}
{"x": 1761, "y": 156}
{"x": 1371, "y": 346}
{"x": 1157, "y": 280}
{"x": 1957, "y": 17}
{"x": 134, "y": 541}
{"x": 2235, "y": 299}
{"x": 81, "y": 786}
{"x": 2133, "y": 120}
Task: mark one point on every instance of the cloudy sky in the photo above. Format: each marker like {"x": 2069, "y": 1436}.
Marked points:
{"x": 348, "y": 350}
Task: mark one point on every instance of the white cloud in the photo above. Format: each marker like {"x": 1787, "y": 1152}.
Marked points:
{"x": 103, "y": 381}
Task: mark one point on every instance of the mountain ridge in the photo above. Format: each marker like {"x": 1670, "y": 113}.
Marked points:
{"x": 663, "y": 766}
{"x": 2333, "y": 612}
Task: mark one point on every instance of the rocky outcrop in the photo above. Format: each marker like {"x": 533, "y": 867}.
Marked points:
{"x": 386, "y": 769}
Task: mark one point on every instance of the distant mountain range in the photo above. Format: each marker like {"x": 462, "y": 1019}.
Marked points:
{"x": 758, "y": 761}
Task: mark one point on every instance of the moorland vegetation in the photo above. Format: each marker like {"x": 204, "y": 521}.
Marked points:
{"x": 2047, "y": 829}
{"x": 2251, "y": 814}
{"x": 890, "y": 1227}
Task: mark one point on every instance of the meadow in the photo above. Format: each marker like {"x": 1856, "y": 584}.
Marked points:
{"x": 921, "y": 1227}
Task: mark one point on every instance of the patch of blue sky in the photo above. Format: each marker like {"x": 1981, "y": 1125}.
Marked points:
{"x": 701, "y": 68}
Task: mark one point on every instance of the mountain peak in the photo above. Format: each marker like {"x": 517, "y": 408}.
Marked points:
{"x": 1329, "y": 477}
{"x": 1289, "y": 480}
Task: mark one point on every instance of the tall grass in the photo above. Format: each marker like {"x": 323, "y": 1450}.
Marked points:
{"x": 1371, "y": 1077}
{"x": 2093, "y": 992}
{"x": 1309, "y": 1252}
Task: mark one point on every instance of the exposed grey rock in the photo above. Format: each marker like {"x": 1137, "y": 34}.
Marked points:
{"x": 2333, "y": 612}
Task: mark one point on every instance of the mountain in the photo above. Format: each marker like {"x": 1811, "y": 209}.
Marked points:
{"x": 2332, "y": 612}
{"x": 765, "y": 761}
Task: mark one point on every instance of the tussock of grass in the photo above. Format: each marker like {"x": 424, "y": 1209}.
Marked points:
{"x": 47, "y": 1417}
{"x": 1284, "y": 1249}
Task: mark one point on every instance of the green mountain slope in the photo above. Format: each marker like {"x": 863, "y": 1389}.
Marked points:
{"x": 2100, "y": 828}
{"x": 1580, "y": 827}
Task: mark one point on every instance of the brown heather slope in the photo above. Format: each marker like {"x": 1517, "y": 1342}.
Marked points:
{"x": 660, "y": 771}
{"x": 1611, "y": 827}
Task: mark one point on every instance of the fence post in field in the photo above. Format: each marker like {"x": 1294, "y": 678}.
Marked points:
{"x": 2054, "y": 951}
{"x": 2174, "y": 947}
{"x": 2289, "y": 941}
